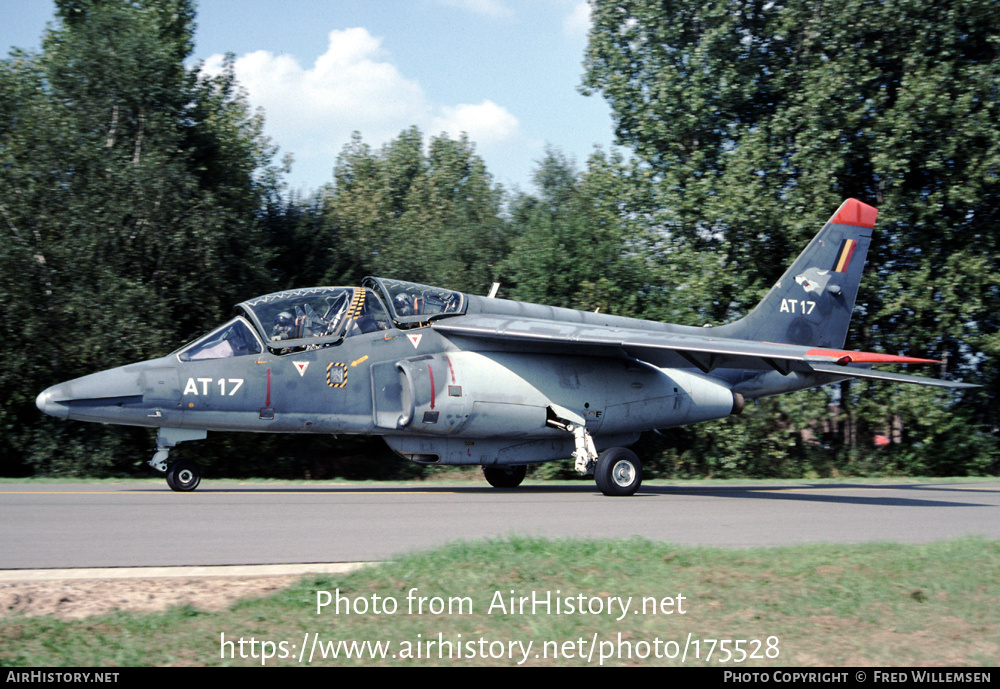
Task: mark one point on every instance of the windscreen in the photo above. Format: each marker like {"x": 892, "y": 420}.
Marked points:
{"x": 233, "y": 339}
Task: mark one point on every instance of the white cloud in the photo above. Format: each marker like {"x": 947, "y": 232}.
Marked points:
{"x": 353, "y": 86}
{"x": 578, "y": 21}
{"x": 349, "y": 87}
{"x": 487, "y": 124}
{"x": 496, "y": 9}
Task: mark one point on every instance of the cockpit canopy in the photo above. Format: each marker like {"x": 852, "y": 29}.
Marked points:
{"x": 304, "y": 317}
{"x": 300, "y": 319}
{"x": 412, "y": 304}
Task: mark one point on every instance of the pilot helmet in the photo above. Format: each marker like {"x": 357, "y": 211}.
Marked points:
{"x": 402, "y": 304}
{"x": 284, "y": 319}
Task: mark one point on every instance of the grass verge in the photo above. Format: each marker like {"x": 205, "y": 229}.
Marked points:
{"x": 484, "y": 603}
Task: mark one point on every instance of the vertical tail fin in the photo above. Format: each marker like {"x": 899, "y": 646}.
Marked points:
{"x": 813, "y": 301}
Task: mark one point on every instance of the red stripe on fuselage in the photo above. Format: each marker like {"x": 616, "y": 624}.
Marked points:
{"x": 450, "y": 368}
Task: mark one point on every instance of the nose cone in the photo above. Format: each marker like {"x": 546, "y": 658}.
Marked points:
{"x": 103, "y": 397}
{"x": 46, "y": 401}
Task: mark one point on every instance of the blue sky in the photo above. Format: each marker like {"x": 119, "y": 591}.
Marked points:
{"x": 504, "y": 71}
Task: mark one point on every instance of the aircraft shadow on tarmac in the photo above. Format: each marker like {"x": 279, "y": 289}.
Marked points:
{"x": 796, "y": 492}
{"x": 799, "y": 492}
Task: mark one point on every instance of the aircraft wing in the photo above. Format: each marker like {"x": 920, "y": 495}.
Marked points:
{"x": 704, "y": 352}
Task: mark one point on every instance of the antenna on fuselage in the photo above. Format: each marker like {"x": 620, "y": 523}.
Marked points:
{"x": 493, "y": 290}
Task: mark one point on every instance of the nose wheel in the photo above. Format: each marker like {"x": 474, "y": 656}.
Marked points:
{"x": 183, "y": 476}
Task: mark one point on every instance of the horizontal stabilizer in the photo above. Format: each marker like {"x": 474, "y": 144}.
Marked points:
{"x": 845, "y": 357}
{"x": 851, "y": 372}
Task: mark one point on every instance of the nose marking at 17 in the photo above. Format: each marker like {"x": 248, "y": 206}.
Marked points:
{"x": 227, "y": 386}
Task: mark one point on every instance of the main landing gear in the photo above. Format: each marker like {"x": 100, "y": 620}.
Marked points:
{"x": 182, "y": 475}
{"x": 617, "y": 471}
{"x": 505, "y": 476}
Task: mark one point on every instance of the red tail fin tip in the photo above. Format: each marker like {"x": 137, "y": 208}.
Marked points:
{"x": 853, "y": 212}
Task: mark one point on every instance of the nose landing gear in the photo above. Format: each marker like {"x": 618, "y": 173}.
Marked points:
{"x": 182, "y": 475}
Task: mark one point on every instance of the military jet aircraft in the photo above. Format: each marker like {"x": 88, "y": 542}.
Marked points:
{"x": 453, "y": 378}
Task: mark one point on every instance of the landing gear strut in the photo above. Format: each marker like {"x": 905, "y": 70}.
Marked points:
{"x": 182, "y": 475}
{"x": 617, "y": 470}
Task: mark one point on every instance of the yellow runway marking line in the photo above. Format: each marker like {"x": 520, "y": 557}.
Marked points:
{"x": 824, "y": 489}
{"x": 283, "y": 491}
{"x": 915, "y": 485}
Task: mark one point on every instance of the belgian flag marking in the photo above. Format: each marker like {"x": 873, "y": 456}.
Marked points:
{"x": 844, "y": 255}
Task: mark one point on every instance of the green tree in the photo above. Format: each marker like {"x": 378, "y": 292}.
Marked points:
{"x": 576, "y": 241}
{"x": 304, "y": 248}
{"x": 545, "y": 261}
{"x": 429, "y": 217}
{"x": 756, "y": 119}
{"x": 131, "y": 191}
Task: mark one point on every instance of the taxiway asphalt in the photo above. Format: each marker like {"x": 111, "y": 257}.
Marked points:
{"x": 47, "y": 525}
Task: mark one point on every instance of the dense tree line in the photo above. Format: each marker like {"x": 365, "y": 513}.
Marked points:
{"x": 754, "y": 118}
{"x": 139, "y": 201}
{"x": 129, "y": 186}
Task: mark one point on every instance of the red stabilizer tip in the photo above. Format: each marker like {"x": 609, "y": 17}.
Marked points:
{"x": 843, "y": 358}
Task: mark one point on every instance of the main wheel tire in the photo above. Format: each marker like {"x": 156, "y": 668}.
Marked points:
{"x": 505, "y": 476}
{"x": 618, "y": 472}
{"x": 183, "y": 476}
